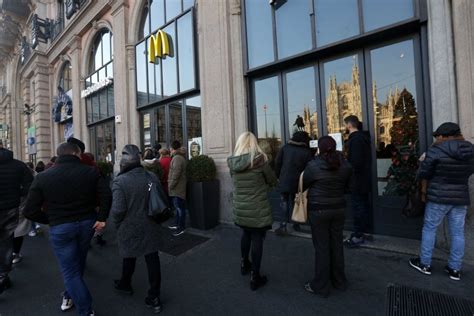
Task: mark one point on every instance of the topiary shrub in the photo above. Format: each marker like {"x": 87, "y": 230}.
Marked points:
{"x": 201, "y": 169}
{"x": 105, "y": 168}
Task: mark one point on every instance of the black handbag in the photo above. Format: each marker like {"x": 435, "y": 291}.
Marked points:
{"x": 158, "y": 208}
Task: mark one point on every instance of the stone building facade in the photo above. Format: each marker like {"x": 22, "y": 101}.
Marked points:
{"x": 226, "y": 96}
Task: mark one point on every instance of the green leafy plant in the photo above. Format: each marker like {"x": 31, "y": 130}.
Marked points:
{"x": 201, "y": 169}
{"x": 105, "y": 168}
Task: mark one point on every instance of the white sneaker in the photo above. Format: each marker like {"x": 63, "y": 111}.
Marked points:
{"x": 32, "y": 233}
{"x": 66, "y": 304}
{"x": 16, "y": 258}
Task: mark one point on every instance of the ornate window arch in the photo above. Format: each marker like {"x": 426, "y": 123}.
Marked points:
{"x": 101, "y": 52}
{"x": 65, "y": 80}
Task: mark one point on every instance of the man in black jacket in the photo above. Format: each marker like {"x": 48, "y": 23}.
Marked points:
{"x": 359, "y": 156}
{"x": 15, "y": 180}
{"x": 66, "y": 197}
{"x": 289, "y": 164}
{"x": 447, "y": 166}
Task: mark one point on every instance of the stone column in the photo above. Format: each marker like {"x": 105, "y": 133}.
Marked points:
{"x": 120, "y": 14}
{"x": 441, "y": 62}
{"x": 224, "y": 113}
{"x": 463, "y": 27}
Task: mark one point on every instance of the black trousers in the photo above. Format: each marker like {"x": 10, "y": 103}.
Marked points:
{"x": 17, "y": 244}
{"x": 326, "y": 229}
{"x": 253, "y": 240}
{"x": 154, "y": 272}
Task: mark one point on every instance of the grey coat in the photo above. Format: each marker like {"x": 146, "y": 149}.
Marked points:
{"x": 137, "y": 235}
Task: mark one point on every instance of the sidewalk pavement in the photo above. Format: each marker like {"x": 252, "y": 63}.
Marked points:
{"x": 206, "y": 280}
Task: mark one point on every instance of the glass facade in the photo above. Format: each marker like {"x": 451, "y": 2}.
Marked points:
{"x": 296, "y": 27}
{"x": 333, "y": 69}
{"x": 166, "y": 72}
{"x": 99, "y": 97}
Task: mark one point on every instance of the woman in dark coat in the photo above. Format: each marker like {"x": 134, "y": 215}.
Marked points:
{"x": 137, "y": 234}
{"x": 327, "y": 178}
{"x": 252, "y": 178}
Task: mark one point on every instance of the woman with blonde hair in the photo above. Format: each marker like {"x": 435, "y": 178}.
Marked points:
{"x": 253, "y": 178}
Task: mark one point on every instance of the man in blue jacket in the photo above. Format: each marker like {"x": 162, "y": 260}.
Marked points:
{"x": 447, "y": 166}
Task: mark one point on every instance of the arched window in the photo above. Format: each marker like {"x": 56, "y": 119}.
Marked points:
{"x": 102, "y": 51}
{"x": 65, "y": 81}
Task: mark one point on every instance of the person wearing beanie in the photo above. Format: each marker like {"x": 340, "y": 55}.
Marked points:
{"x": 327, "y": 179}
{"x": 447, "y": 166}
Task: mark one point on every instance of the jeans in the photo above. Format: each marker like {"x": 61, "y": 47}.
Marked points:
{"x": 360, "y": 211}
{"x": 70, "y": 242}
{"x": 8, "y": 223}
{"x": 287, "y": 202}
{"x": 154, "y": 272}
{"x": 252, "y": 239}
{"x": 326, "y": 231}
{"x": 434, "y": 215}
{"x": 180, "y": 206}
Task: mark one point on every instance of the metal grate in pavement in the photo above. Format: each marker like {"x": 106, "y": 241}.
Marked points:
{"x": 408, "y": 301}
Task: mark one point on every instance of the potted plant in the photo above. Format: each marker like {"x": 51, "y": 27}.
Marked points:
{"x": 203, "y": 192}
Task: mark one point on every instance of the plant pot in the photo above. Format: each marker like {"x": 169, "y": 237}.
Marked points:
{"x": 203, "y": 204}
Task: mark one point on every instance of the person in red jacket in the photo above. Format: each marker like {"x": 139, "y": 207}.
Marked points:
{"x": 165, "y": 162}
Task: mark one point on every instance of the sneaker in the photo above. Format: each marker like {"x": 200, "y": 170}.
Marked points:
{"x": 173, "y": 227}
{"x": 32, "y": 233}
{"x": 257, "y": 281}
{"x": 453, "y": 274}
{"x": 91, "y": 313}
{"x": 5, "y": 285}
{"x": 354, "y": 242}
{"x": 154, "y": 303}
{"x": 178, "y": 232}
{"x": 415, "y": 263}
{"x": 281, "y": 231}
{"x": 121, "y": 288}
{"x": 66, "y": 304}
{"x": 16, "y": 258}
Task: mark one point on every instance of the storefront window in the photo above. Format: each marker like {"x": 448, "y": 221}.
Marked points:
{"x": 186, "y": 53}
{"x": 301, "y": 100}
{"x": 342, "y": 91}
{"x": 161, "y": 127}
{"x": 176, "y": 122}
{"x": 141, "y": 71}
{"x": 193, "y": 126}
{"x": 170, "y": 78}
{"x": 103, "y": 141}
{"x": 259, "y": 33}
{"x": 335, "y": 20}
{"x": 268, "y": 115}
{"x": 293, "y": 27}
{"x": 378, "y": 13}
{"x": 173, "y": 8}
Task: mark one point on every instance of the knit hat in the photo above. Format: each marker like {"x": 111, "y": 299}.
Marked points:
{"x": 77, "y": 142}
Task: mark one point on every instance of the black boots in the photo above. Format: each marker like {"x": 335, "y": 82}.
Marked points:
{"x": 257, "y": 281}
{"x": 154, "y": 303}
{"x": 123, "y": 288}
{"x": 245, "y": 266}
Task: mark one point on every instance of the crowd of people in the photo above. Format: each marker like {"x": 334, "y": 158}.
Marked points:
{"x": 32, "y": 195}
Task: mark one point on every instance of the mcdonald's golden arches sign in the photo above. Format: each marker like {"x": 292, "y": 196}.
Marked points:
{"x": 159, "y": 46}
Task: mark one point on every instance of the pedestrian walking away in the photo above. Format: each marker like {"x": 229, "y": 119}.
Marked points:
{"x": 177, "y": 186}
{"x": 15, "y": 181}
{"x": 253, "y": 178}
{"x": 289, "y": 163}
{"x": 447, "y": 166}
{"x": 327, "y": 179}
{"x": 357, "y": 150}
{"x": 71, "y": 214}
{"x": 137, "y": 234}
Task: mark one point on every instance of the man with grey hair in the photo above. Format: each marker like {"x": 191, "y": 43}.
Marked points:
{"x": 15, "y": 180}
{"x": 71, "y": 191}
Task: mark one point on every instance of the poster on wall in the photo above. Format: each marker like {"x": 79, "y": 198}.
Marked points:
{"x": 68, "y": 130}
{"x": 31, "y": 140}
{"x": 195, "y": 147}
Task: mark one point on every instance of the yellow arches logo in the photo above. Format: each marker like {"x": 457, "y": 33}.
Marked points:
{"x": 158, "y": 46}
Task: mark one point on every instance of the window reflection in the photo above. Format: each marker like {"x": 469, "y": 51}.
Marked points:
{"x": 160, "y": 127}
{"x": 151, "y": 80}
{"x": 176, "y": 122}
{"x": 187, "y": 4}
{"x": 103, "y": 139}
{"x": 193, "y": 126}
{"x": 186, "y": 53}
{"x": 157, "y": 14}
{"x": 396, "y": 117}
{"x": 173, "y": 8}
{"x": 145, "y": 26}
{"x": 301, "y": 100}
{"x": 342, "y": 88}
{"x": 335, "y": 20}
{"x": 259, "y": 32}
{"x": 378, "y": 13}
{"x": 267, "y": 102}
{"x": 141, "y": 67}
{"x": 168, "y": 64}
{"x": 293, "y": 28}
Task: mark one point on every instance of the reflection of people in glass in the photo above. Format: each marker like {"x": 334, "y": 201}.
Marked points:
{"x": 358, "y": 154}
{"x": 289, "y": 163}
{"x": 402, "y": 173}
{"x": 195, "y": 149}
{"x": 299, "y": 123}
